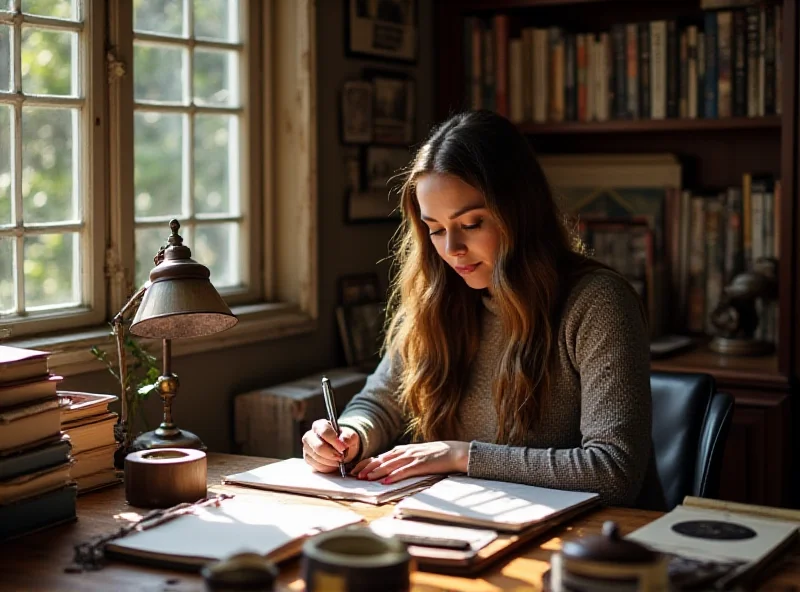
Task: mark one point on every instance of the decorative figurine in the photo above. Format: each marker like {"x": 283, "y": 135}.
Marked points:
{"x": 607, "y": 561}
{"x": 735, "y": 317}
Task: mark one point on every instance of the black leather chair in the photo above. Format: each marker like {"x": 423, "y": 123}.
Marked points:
{"x": 690, "y": 426}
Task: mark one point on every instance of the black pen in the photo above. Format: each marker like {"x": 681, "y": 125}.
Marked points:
{"x": 330, "y": 406}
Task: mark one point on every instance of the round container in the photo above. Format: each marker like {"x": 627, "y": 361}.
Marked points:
{"x": 242, "y": 572}
{"x": 355, "y": 559}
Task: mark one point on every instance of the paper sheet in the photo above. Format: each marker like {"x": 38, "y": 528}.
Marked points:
{"x": 295, "y": 475}
{"x": 235, "y": 526}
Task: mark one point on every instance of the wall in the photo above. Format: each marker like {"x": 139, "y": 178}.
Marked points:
{"x": 209, "y": 380}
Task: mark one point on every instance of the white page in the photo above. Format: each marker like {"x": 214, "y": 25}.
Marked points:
{"x": 660, "y": 535}
{"x": 497, "y": 502}
{"x": 389, "y": 526}
{"x": 294, "y": 474}
{"x": 237, "y": 525}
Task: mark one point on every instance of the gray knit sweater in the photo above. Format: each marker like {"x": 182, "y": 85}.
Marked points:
{"x": 594, "y": 434}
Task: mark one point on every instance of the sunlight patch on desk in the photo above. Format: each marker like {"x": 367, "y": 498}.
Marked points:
{"x": 553, "y": 544}
{"x": 527, "y": 570}
{"x": 128, "y": 516}
{"x": 437, "y": 582}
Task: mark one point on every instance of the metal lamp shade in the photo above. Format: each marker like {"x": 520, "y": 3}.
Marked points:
{"x": 175, "y": 308}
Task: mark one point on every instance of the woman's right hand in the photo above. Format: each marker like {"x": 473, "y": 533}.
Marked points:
{"x": 324, "y": 450}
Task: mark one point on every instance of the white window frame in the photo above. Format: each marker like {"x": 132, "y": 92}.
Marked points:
{"x": 91, "y": 150}
{"x": 287, "y": 215}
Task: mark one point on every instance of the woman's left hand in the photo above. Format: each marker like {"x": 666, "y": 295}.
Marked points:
{"x": 410, "y": 460}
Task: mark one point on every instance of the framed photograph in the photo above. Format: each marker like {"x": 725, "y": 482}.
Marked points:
{"x": 394, "y": 109}
{"x": 383, "y": 167}
{"x": 358, "y": 288}
{"x": 361, "y": 330}
{"x": 357, "y": 103}
{"x": 382, "y": 28}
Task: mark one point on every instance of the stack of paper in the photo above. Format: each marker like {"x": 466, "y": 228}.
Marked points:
{"x": 508, "y": 507}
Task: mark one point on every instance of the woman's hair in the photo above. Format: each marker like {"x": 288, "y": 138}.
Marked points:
{"x": 433, "y": 324}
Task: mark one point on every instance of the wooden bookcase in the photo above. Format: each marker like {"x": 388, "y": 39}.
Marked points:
{"x": 760, "y": 463}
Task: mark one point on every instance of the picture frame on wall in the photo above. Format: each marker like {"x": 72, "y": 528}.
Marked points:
{"x": 378, "y": 198}
{"x": 394, "y": 108}
{"x": 386, "y": 29}
{"x": 358, "y": 288}
{"x": 361, "y": 331}
{"x": 356, "y": 116}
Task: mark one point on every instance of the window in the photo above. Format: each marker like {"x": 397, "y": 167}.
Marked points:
{"x": 47, "y": 254}
{"x": 115, "y": 122}
{"x": 188, "y": 149}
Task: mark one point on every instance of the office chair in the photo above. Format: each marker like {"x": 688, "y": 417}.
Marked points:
{"x": 690, "y": 427}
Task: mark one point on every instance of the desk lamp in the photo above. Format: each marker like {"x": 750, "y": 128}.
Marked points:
{"x": 177, "y": 302}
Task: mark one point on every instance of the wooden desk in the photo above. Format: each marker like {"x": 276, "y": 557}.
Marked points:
{"x": 37, "y": 561}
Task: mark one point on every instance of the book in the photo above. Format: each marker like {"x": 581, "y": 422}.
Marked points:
{"x": 30, "y": 460}
{"x": 243, "y": 523}
{"x": 38, "y": 512}
{"x": 13, "y": 394}
{"x": 98, "y": 479}
{"x": 20, "y": 426}
{"x": 77, "y": 405}
{"x": 32, "y": 484}
{"x": 739, "y": 538}
{"x": 18, "y": 364}
{"x": 294, "y": 475}
{"x": 93, "y": 460}
{"x": 498, "y": 505}
{"x": 88, "y": 435}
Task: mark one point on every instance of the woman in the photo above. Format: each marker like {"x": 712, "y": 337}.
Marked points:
{"x": 510, "y": 355}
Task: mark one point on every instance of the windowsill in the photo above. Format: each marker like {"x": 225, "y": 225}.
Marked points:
{"x": 257, "y": 322}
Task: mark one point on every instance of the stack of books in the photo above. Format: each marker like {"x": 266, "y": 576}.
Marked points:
{"x": 36, "y": 490}
{"x": 85, "y": 418}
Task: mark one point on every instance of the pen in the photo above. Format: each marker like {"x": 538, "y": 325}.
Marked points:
{"x": 330, "y": 406}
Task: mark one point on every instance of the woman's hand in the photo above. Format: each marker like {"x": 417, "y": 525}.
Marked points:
{"x": 414, "y": 459}
{"x": 324, "y": 450}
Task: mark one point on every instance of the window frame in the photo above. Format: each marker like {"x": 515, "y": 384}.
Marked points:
{"x": 286, "y": 299}
{"x": 92, "y": 150}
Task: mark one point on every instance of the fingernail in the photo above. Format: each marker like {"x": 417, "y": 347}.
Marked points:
{"x": 386, "y": 481}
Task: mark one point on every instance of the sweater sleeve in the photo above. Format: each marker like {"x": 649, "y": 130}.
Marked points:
{"x": 375, "y": 413}
{"x": 608, "y": 345}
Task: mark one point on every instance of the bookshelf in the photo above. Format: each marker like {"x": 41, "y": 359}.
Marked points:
{"x": 760, "y": 461}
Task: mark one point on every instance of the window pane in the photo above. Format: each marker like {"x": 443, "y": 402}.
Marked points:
{"x": 5, "y": 58}
{"x": 148, "y": 241}
{"x": 47, "y": 62}
{"x": 157, "y": 169}
{"x": 5, "y": 165}
{"x": 216, "y": 19}
{"x": 47, "y": 165}
{"x": 50, "y": 270}
{"x": 216, "y": 247}
{"x": 158, "y": 16}
{"x": 215, "y": 77}
{"x": 64, "y": 9}
{"x": 215, "y": 158}
{"x": 8, "y": 299}
{"x": 158, "y": 73}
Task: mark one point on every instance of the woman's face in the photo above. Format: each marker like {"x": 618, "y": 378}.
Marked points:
{"x": 464, "y": 232}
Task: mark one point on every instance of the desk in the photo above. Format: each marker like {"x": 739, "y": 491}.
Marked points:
{"x": 37, "y": 561}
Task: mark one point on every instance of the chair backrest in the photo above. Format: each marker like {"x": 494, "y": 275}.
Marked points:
{"x": 690, "y": 426}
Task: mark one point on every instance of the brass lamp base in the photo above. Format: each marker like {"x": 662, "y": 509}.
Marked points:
{"x": 173, "y": 439}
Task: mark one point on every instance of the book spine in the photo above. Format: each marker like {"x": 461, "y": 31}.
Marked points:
{"x": 710, "y": 106}
{"x": 701, "y": 74}
{"x": 501, "y": 63}
{"x": 582, "y": 73}
{"x": 570, "y": 76}
{"x": 769, "y": 61}
{"x": 620, "y": 75}
{"x": 632, "y": 70}
{"x": 673, "y": 70}
{"x": 752, "y": 19}
{"x": 515, "y": 92}
{"x": 692, "y": 74}
{"x": 644, "y": 69}
{"x": 739, "y": 64}
{"x": 658, "y": 71}
{"x": 683, "y": 67}
{"x": 724, "y": 61}
{"x": 541, "y": 75}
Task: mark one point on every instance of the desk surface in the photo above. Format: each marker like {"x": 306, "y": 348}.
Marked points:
{"x": 37, "y": 561}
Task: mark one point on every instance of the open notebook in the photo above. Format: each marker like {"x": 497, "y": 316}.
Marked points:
{"x": 275, "y": 530}
{"x": 294, "y": 475}
{"x": 507, "y": 507}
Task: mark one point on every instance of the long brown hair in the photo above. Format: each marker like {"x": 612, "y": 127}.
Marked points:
{"x": 434, "y": 317}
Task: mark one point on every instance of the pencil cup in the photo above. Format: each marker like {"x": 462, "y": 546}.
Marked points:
{"x": 354, "y": 559}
